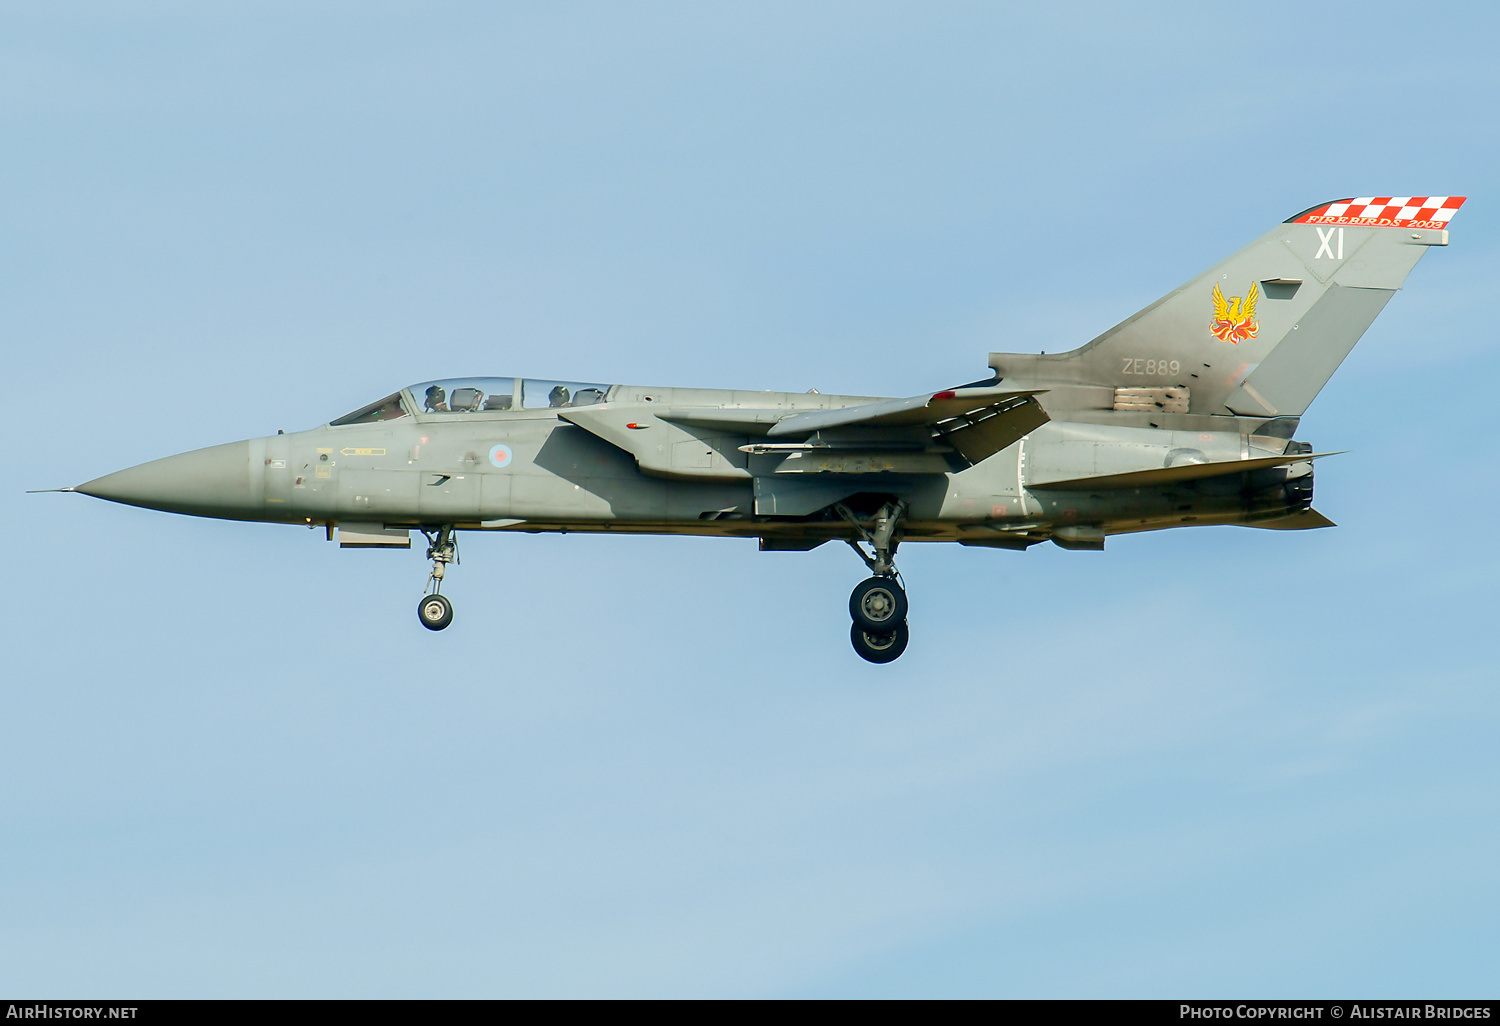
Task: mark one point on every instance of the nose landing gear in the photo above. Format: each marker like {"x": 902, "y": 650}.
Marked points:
{"x": 435, "y": 611}
{"x": 878, "y": 605}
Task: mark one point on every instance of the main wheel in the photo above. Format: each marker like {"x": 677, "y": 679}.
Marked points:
{"x": 880, "y": 648}
{"x": 877, "y": 604}
{"x": 435, "y": 612}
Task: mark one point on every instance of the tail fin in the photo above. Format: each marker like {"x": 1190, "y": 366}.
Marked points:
{"x": 1259, "y": 334}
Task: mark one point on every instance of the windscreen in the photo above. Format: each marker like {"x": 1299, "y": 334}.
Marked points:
{"x": 388, "y": 408}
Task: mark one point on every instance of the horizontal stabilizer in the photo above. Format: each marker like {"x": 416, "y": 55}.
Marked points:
{"x": 1174, "y": 475}
{"x": 1306, "y": 520}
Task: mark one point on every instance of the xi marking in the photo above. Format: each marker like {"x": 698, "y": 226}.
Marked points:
{"x": 1325, "y": 243}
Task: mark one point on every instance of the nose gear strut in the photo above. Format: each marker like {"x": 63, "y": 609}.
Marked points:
{"x": 435, "y": 611}
{"x": 878, "y": 605}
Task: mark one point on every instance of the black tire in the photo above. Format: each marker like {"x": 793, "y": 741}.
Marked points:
{"x": 435, "y": 612}
{"x": 879, "y": 648}
{"x": 877, "y": 604}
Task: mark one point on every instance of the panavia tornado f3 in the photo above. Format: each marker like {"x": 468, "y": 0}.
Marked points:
{"x": 1184, "y": 414}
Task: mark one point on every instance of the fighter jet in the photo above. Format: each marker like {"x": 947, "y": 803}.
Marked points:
{"x": 1184, "y": 414}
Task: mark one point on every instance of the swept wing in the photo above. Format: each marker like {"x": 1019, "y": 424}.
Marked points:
{"x": 976, "y": 422}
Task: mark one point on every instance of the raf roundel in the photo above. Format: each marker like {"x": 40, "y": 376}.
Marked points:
{"x": 500, "y": 456}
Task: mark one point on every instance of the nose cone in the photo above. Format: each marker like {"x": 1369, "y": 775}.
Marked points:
{"x": 212, "y": 482}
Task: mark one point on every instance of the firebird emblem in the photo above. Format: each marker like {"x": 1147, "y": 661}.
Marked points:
{"x": 1234, "y": 322}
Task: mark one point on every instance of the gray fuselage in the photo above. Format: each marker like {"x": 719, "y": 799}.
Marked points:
{"x": 530, "y": 469}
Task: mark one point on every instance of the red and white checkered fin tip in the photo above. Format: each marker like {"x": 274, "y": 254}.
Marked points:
{"x": 1384, "y": 212}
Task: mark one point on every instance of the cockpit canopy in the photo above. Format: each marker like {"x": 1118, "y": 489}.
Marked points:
{"x": 478, "y": 395}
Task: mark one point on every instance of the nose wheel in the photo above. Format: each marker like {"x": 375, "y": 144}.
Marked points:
{"x": 878, "y": 605}
{"x": 435, "y": 611}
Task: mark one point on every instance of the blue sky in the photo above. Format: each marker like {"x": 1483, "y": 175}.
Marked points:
{"x": 1203, "y": 762}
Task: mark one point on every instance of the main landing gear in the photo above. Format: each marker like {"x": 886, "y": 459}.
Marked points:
{"x": 878, "y": 605}
{"x": 435, "y": 611}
